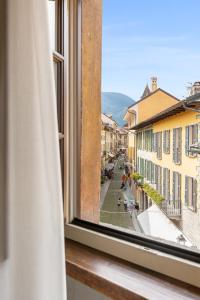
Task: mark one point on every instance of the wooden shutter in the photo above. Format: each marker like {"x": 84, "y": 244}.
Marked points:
{"x": 174, "y": 145}
{"x": 152, "y": 173}
{"x": 174, "y": 186}
{"x": 168, "y": 184}
{"x": 194, "y": 136}
{"x": 164, "y": 141}
{"x": 186, "y": 190}
{"x": 164, "y": 182}
{"x": 151, "y": 140}
{"x": 179, "y": 145}
{"x": 156, "y": 175}
{"x": 168, "y": 141}
{"x": 156, "y": 142}
{"x": 160, "y": 156}
{"x": 187, "y": 140}
{"x": 160, "y": 190}
{"x": 194, "y": 195}
{"x": 179, "y": 190}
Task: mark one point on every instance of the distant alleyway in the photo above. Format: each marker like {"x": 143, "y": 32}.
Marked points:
{"x": 110, "y": 212}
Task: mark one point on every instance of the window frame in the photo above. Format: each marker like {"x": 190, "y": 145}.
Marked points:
{"x": 190, "y": 139}
{"x": 140, "y": 254}
{"x": 192, "y": 205}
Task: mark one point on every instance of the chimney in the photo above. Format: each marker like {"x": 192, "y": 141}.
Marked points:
{"x": 195, "y": 89}
{"x": 154, "y": 84}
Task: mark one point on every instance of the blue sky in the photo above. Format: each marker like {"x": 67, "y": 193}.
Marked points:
{"x": 150, "y": 37}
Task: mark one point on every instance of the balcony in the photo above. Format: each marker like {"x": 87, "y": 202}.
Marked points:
{"x": 172, "y": 208}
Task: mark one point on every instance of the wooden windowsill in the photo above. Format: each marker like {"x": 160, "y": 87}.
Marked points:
{"x": 119, "y": 279}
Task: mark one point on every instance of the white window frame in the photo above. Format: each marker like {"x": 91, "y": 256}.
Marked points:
{"x": 178, "y": 268}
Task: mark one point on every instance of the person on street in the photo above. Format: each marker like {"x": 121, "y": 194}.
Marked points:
{"x": 137, "y": 207}
{"x": 119, "y": 202}
{"x": 125, "y": 204}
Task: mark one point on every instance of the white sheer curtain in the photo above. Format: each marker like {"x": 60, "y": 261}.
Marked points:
{"x": 35, "y": 264}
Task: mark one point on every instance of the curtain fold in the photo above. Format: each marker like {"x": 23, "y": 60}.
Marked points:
{"x": 35, "y": 264}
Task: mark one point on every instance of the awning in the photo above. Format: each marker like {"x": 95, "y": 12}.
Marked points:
{"x": 156, "y": 224}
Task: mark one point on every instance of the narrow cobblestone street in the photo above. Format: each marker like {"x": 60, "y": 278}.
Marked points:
{"x": 110, "y": 212}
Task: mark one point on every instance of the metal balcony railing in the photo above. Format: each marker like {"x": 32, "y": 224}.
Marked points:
{"x": 172, "y": 208}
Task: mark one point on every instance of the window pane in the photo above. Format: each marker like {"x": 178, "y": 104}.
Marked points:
{"x": 137, "y": 138}
{"x": 52, "y": 23}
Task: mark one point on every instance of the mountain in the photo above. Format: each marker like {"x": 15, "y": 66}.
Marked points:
{"x": 115, "y": 104}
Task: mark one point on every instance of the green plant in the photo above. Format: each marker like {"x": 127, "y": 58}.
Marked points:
{"x": 136, "y": 176}
{"x": 153, "y": 194}
{"x": 103, "y": 179}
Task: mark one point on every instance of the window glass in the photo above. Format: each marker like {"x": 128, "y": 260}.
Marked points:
{"x": 52, "y": 23}
{"x": 139, "y": 118}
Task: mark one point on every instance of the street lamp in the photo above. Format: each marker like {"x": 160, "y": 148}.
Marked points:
{"x": 181, "y": 239}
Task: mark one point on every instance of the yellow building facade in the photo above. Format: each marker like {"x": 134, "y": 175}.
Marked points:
{"x": 152, "y": 102}
{"x": 167, "y": 165}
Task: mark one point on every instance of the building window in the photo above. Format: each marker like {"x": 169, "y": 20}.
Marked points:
{"x": 191, "y": 193}
{"x": 148, "y": 166}
{"x": 89, "y": 165}
{"x": 142, "y": 167}
{"x": 191, "y": 137}
{"x": 158, "y": 178}
{"x": 177, "y": 145}
{"x": 56, "y": 21}
{"x": 152, "y": 172}
{"x": 158, "y": 144}
{"x": 176, "y": 191}
{"x": 139, "y": 141}
{"x": 148, "y": 140}
{"x": 166, "y": 184}
{"x": 166, "y": 141}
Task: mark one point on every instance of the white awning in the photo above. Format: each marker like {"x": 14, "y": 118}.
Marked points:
{"x": 156, "y": 224}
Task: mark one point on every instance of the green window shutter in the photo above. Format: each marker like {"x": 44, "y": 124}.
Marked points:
{"x": 161, "y": 180}
{"x": 160, "y": 145}
{"x": 164, "y": 182}
{"x": 168, "y": 141}
{"x": 164, "y": 141}
{"x": 152, "y": 173}
{"x": 194, "y": 195}
{"x": 174, "y": 145}
{"x": 174, "y": 186}
{"x": 168, "y": 185}
{"x": 187, "y": 140}
{"x": 156, "y": 176}
{"x": 156, "y": 142}
{"x": 195, "y": 133}
{"x": 151, "y": 140}
{"x": 179, "y": 187}
{"x": 179, "y": 145}
{"x": 195, "y": 136}
{"x": 186, "y": 190}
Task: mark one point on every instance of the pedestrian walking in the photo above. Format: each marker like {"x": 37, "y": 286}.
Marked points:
{"x": 125, "y": 204}
{"x": 122, "y": 186}
{"x": 119, "y": 202}
{"x": 123, "y": 178}
{"x": 137, "y": 207}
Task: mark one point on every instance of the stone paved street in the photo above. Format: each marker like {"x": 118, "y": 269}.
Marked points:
{"x": 110, "y": 212}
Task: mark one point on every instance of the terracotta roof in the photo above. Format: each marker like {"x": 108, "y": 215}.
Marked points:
{"x": 192, "y": 102}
